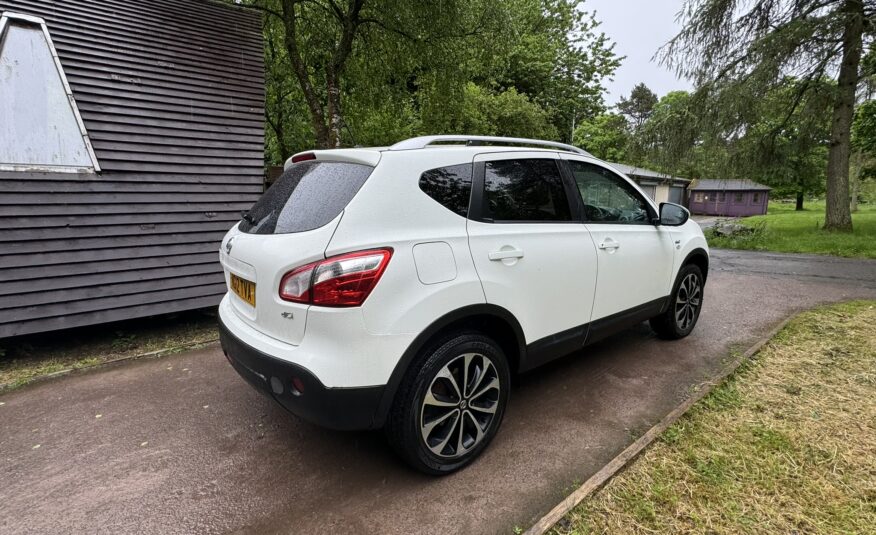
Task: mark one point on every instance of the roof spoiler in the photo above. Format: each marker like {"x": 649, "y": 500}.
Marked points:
{"x": 423, "y": 142}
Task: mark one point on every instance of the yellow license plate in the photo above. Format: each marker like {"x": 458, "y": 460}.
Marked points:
{"x": 243, "y": 288}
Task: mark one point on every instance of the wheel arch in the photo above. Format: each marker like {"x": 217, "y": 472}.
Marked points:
{"x": 492, "y": 320}
{"x": 700, "y": 258}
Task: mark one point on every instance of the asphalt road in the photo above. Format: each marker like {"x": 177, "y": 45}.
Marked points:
{"x": 182, "y": 445}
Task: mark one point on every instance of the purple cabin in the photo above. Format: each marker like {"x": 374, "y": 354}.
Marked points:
{"x": 732, "y": 198}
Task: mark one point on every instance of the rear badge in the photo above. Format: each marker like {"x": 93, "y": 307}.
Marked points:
{"x": 287, "y": 315}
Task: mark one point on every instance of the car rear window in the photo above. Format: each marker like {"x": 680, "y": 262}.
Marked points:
{"x": 308, "y": 195}
{"x": 450, "y": 186}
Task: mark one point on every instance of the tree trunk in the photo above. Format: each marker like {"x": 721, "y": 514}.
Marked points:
{"x": 838, "y": 216}
{"x": 314, "y": 106}
{"x": 335, "y": 119}
{"x": 799, "y": 201}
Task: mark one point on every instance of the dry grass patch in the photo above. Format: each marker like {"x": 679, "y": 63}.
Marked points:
{"x": 25, "y": 359}
{"x": 785, "y": 445}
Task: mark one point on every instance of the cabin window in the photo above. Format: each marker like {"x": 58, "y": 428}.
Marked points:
{"x": 698, "y": 196}
{"x": 755, "y": 198}
{"x": 722, "y": 197}
{"x": 41, "y": 128}
{"x": 738, "y": 198}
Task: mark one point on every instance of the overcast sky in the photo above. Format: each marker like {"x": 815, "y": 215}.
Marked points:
{"x": 639, "y": 27}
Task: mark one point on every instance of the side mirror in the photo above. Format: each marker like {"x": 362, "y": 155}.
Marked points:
{"x": 673, "y": 215}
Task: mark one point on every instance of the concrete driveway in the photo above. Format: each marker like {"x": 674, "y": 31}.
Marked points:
{"x": 183, "y": 445}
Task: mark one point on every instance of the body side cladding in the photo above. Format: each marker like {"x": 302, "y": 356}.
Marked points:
{"x": 561, "y": 344}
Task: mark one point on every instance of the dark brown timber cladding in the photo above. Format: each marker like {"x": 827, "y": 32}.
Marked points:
{"x": 171, "y": 92}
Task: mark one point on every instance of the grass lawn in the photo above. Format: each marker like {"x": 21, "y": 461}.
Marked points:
{"x": 788, "y": 231}
{"x": 25, "y": 359}
{"x": 787, "y": 444}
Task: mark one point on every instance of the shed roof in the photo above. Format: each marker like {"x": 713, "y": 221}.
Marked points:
{"x": 729, "y": 185}
{"x": 645, "y": 173}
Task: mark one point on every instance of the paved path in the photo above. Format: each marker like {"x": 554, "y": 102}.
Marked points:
{"x": 183, "y": 445}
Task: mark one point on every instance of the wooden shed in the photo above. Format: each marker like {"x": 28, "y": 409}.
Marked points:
{"x": 659, "y": 186}
{"x": 131, "y": 137}
{"x": 732, "y": 198}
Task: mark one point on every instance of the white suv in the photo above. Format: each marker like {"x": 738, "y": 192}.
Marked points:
{"x": 401, "y": 287}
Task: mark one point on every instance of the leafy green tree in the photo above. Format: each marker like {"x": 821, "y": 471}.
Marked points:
{"x": 672, "y": 139}
{"x": 605, "y": 136}
{"x": 736, "y": 53}
{"x": 639, "y": 106}
{"x": 552, "y": 51}
{"x": 369, "y": 72}
{"x": 789, "y": 152}
{"x": 508, "y": 113}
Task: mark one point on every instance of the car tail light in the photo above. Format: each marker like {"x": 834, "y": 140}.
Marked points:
{"x": 303, "y": 157}
{"x": 340, "y": 281}
{"x": 295, "y": 285}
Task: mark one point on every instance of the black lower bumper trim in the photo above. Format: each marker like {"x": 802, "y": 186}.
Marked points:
{"x": 334, "y": 408}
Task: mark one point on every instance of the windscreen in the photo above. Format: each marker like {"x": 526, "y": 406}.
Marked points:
{"x": 308, "y": 195}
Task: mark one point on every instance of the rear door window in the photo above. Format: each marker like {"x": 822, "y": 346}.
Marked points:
{"x": 307, "y": 196}
{"x": 450, "y": 186}
{"x": 525, "y": 190}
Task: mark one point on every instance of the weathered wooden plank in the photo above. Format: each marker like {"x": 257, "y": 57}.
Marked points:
{"x": 119, "y": 127}
{"x": 176, "y": 105}
{"x": 96, "y": 184}
{"x": 39, "y": 236}
{"x": 111, "y": 265}
{"x": 115, "y": 197}
{"x": 175, "y": 58}
{"x": 159, "y": 29}
{"x": 186, "y": 116}
{"x": 40, "y": 260}
{"x": 145, "y": 208}
{"x": 200, "y": 70}
{"x": 89, "y": 243}
{"x": 66, "y": 221}
{"x": 78, "y": 307}
{"x": 216, "y": 180}
{"x": 57, "y": 298}
{"x": 89, "y": 82}
{"x": 67, "y": 321}
{"x": 72, "y": 43}
{"x": 135, "y": 122}
{"x": 145, "y": 142}
{"x": 216, "y": 82}
{"x": 156, "y": 275}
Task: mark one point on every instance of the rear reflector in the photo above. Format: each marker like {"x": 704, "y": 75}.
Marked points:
{"x": 303, "y": 157}
{"x": 340, "y": 281}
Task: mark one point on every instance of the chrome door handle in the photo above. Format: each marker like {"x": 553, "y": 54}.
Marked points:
{"x": 609, "y": 245}
{"x": 508, "y": 253}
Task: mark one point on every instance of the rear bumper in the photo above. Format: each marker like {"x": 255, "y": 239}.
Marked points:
{"x": 334, "y": 408}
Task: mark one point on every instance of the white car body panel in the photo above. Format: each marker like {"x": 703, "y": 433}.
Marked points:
{"x": 440, "y": 264}
{"x": 550, "y": 288}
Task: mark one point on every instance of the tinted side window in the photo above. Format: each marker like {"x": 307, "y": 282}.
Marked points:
{"x": 607, "y": 197}
{"x": 525, "y": 190}
{"x": 450, "y": 186}
{"x": 308, "y": 195}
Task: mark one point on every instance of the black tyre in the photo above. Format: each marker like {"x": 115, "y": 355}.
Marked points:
{"x": 684, "y": 307}
{"x": 450, "y": 404}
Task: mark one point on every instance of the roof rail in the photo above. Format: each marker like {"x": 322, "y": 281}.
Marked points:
{"x": 424, "y": 141}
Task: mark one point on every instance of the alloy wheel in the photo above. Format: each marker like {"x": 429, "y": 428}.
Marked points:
{"x": 460, "y": 405}
{"x": 687, "y": 301}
